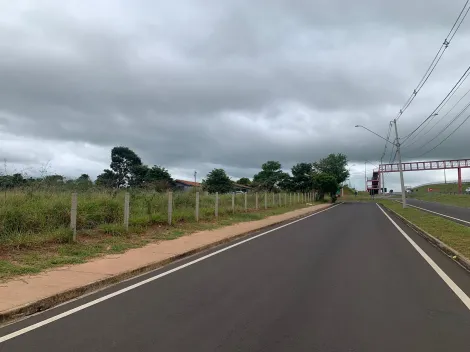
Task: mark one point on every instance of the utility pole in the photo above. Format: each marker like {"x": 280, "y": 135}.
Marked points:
{"x": 400, "y": 166}
{"x": 365, "y": 175}
{"x": 382, "y": 176}
{"x": 195, "y": 178}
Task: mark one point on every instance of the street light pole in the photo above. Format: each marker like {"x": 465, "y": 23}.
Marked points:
{"x": 400, "y": 166}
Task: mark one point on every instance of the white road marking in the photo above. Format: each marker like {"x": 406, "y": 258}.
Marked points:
{"x": 141, "y": 283}
{"x": 435, "y": 212}
{"x": 453, "y": 286}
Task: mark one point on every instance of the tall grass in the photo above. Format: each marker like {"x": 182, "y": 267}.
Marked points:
{"x": 44, "y": 214}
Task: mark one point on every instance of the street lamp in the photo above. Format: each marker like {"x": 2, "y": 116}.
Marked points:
{"x": 400, "y": 167}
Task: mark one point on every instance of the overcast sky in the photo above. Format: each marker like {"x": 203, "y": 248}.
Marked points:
{"x": 197, "y": 84}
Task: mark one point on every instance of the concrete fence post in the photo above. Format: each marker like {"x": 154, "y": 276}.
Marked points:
{"x": 197, "y": 207}
{"x": 170, "y": 207}
{"x": 290, "y": 198}
{"x": 246, "y": 201}
{"x": 265, "y": 200}
{"x": 126, "y": 211}
{"x": 256, "y": 200}
{"x": 274, "y": 199}
{"x": 216, "y": 205}
{"x": 285, "y": 199}
{"x": 73, "y": 217}
{"x": 280, "y": 199}
{"x": 233, "y": 202}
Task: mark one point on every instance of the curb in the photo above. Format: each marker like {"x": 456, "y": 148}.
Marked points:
{"x": 62, "y": 297}
{"x": 449, "y": 251}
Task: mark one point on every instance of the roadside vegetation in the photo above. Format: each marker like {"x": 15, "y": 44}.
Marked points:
{"x": 452, "y": 234}
{"x": 35, "y": 213}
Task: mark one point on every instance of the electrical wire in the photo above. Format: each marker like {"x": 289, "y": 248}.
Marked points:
{"x": 456, "y": 117}
{"x": 437, "y": 58}
{"x": 430, "y": 150}
{"x": 388, "y": 138}
{"x": 442, "y": 103}
{"x": 432, "y": 127}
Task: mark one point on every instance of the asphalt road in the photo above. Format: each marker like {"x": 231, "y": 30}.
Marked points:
{"x": 342, "y": 280}
{"x": 449, "y": 210}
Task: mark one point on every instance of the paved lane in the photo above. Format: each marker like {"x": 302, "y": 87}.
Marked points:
{"x": 458, "y": 213}
{"x": 343, "y": 280}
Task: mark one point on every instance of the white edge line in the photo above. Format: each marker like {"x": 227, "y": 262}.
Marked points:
{"x": 141, "y": 283}
{"x": 453, "y": 286}
{"x": 435, "y": 212}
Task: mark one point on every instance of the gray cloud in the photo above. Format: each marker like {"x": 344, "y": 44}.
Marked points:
{"x": 193, "y": 85}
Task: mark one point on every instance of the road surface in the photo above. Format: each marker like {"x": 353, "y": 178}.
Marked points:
{"x": 450, "y": 212}
{"x": 345, "y": 279}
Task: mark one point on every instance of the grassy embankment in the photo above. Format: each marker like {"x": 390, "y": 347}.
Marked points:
{"x": 444, "y": 193}
{"x": 35, "y": 233}
{"x": 454, "y": 235}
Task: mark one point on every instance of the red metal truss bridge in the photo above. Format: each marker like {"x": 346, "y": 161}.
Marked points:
{"x": 374, "y": 183}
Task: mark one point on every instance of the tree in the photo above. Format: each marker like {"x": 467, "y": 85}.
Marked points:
{"x": 244, "y": 181}
{"x": 54, "y": 179}
{"x": 125, "y": 163}
{"x": 334, "y": 165}
{"x": 270, "y": 176}
{"x": 302, "y": 177}
{"x": 325, "y": 183}
{"x": 107, "y": 179}
{"x": 285, "y": 183}
{"x": 84, "y": 178}
{"x": 217, "y": 181}
{"x": 83, "y": 181}
{"x": 159, "y": 178}
{"x": 138, "y": 175}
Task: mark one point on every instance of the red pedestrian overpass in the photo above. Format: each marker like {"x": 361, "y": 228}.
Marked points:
{"x": 374, "y": 184}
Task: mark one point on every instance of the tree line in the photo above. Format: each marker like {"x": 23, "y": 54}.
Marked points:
{"x": 127, "y": 170}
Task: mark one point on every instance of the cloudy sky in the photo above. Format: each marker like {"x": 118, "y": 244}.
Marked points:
{"x": 197, "y": 84}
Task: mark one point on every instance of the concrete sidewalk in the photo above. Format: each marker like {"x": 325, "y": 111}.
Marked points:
{"x": 29, "y": 294}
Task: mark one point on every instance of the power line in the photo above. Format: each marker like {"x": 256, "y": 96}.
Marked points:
{"x": 437, "y": 58}
{"x": 430, "y": 150}
{"x": 442, "y": 103}
{"x": 438, "y": 121}
{"x": 388, "y": 138}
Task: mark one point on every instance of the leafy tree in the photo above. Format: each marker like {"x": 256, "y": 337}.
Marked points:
{"x": 302, "y": 177}
{"x": 83, "y": 182}
{"x": 125, "y": 163}
{"x": 54, "y": 179}
{"x": 244, "y": 181}
{"x": 84, "y": 178}
{"x": 286, "y": 183}
{"x": 325, "y": 183}
{"x": 334, "y": 165}
{"x": 270, "y": 176}
{"x": 107, "y": 179}
{"x": 159, "y": 178}
{"x": 138, "y": 176}
{"x": 18, "y": 180}
{"x": 217, "y": 181}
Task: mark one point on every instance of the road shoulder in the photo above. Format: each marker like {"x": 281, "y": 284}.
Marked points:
{"x": 31, "y": 294}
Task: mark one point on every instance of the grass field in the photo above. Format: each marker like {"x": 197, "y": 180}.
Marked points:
{"x": 454, "y": 235}
{"x": 35, "y": 229}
